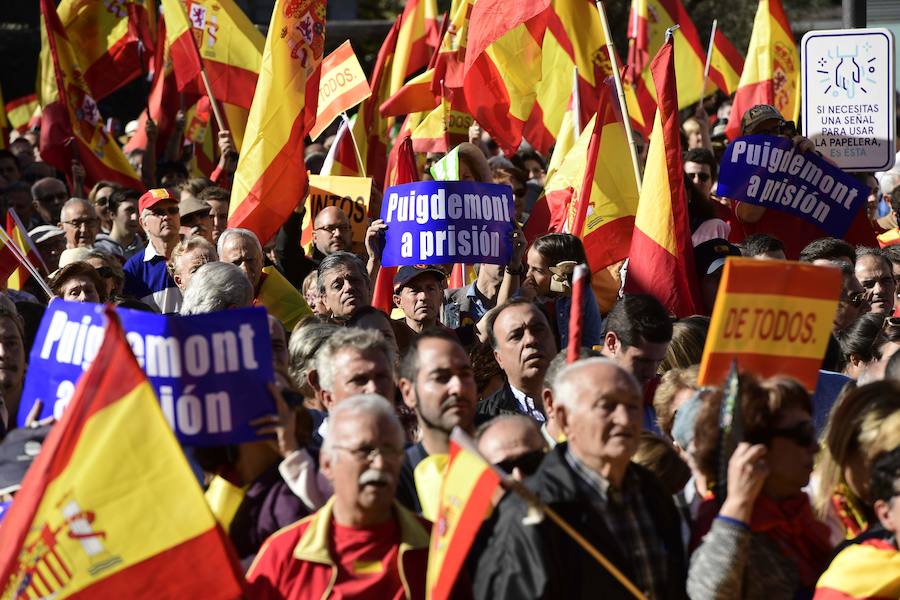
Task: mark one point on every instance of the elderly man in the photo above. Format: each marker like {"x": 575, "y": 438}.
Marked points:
{"x": 13, "y": 360}
{"x": 437, "y": 382}
{"x": 123, "y": 239}
{"x": 619, "y": 507}
{"x": 188, "y": 256}
{"x": 418, "y": 292}
{"x": 353, "y": 361}
{"x": 79, "y": 222}
{"x": 146, "y": 275}
{"x": 361, "y": 543}
{"x": 551, "y": 428}
{"x": 241, "y": 248}
{"x": 332, "y": 232}
{"x": 216, "y": 286}
{"x": 49, "y": 195}
{"x": 513, "y": 443}
{"x": 875, "y": 273}
{"x": 523, "y": 347}
{"x": 343, "y": 284}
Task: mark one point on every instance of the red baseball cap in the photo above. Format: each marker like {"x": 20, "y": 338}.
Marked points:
{"x": 154, "y": 197}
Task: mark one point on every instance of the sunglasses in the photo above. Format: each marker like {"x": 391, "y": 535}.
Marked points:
{"x": 104, "y": 272}
{"x": 704, "y": 177}
{"x": 856, "y": 299}
{"x": 803, "y": 434}
{"x": 527, "y": 463}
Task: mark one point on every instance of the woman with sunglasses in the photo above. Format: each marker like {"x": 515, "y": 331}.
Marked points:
{"x": 765, "y": 541}
{"x": 99, "y": 197}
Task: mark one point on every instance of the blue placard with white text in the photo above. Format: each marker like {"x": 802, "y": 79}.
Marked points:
{"x": 768, "y": 171}
{"x": 209, "y": 371}
{"x": 445, "y": 222}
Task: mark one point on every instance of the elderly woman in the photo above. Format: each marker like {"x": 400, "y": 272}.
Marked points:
{"x": 765, "y": 541}
{"x": 217, "y": 286}
{"x": 78, "y": 282}
{"x": 858, "y": 431}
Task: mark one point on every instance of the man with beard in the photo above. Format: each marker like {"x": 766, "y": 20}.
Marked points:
{"x": 146, "y": 274}
{"x": 523, "y": 347}
{"x": 343, "y": 284}
{"x": 875, "y": 273}
{"x": 437, "y": 382}
{"x": 361, "y": 543}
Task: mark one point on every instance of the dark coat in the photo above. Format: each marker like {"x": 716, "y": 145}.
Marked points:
{"x": 542, "y": 561}
{"x": 501, "y": 402}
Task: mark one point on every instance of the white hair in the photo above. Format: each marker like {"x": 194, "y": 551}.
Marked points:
{"x": 565, "y": 387}
{"x": 373, "y": 405}
{"x": 239, "y": 231}
{"x": 216, "y": 286}
{"x": 361, "y": 340}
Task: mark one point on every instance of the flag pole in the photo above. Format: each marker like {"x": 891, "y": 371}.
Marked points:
{"x": 220, "y": 120}
{"x": 709, "y": 51}
{"x": 23, "y": 260}
{"x": 359, "y": 160}
{"x": 623, "y": 106}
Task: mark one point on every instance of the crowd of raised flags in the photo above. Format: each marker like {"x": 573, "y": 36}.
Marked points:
{"x": 625, "y": 407}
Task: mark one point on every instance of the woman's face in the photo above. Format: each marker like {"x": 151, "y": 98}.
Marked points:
{"x": 79, "y": 289}
{"x": 538, "y": 276}
{"x": 792, "y": 451}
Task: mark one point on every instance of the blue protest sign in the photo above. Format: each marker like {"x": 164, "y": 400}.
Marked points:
{"x": 209, "y": 371}
{"x": 443, "y": 222}
{"x": 768, "y": 171}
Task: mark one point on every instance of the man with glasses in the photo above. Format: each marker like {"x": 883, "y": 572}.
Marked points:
{"x": 146, "y": 275}
{"x": 362, "y": 543}
{"x": 79, "y": 222}
{"x": 49, "y": 195}
{"x": 332, "y": 232}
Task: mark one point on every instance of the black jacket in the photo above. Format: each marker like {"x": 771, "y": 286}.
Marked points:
{"x": 501, "y": 402}
{"x": 542, "y": 561}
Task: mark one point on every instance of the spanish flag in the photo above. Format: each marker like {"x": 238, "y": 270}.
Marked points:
{"x": 772, "y": 72}
{"x": 443, "y": 128}
{"x": 114, "y": 40}
{"x": 20, "y": 111}
{"x": 869, "y": 570}
{"x": 218, "y": 33}
{"x": 466, "y": 492}
{"x": 450, "y": 59}
{"x": 19, "y": 235}
{"x": 661, "y": 259}
{"x": 271, "y": 176}
{"x": 726, "y": 64}
{"x": 415, "y": 96}
{"x": 110, "y": 507}
{"x": 71, "y": 124}
{"x": 417, "y": 39}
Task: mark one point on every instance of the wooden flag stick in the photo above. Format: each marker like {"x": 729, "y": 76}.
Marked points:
{"x": 359, "y": 160}
{"x": 709, "y": 51}
{"x": 220, "y": 120}
{"x": 623, "y": 106}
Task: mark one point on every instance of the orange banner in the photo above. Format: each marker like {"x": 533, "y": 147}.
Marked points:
{"x": 773, "y": 318}
{"x": 342, "y": 86}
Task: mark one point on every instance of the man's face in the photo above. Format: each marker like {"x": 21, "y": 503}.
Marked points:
{"x": 9, "y": 169}
{"x": 602, "y": 422}
{"x": 535, "y": 171}
{"x": 126, "y": 218}
{"x": 345, "y": 290}
{"x": 244, "y": 253}
{"x": 218, "y": 211}
{"x": 444, "y": 393}
{"x": 876, "y": 277}
{"x": 188, "y": 263}
{"x": 420, "y": 298}
{"x": 895, "y": 271}
{"x": 511, "y": 439}
{"x": 80, "y": 224}
{"x": 12, "y": 359}
{"x": 79, "y": 289}
{"x": 332, "y": 231}
{"x": 161, "y": 221}
{"x": 369, "y": 484}
{"x": 51, "y": 194}
{"x": 701, "y": 176}
{"x": 641, "y": 360}
{"x": 525, "y": 344}
{"x": 197, "y": 224}
{"x": 358, "y": 372}
{"x": 852, "y": 303}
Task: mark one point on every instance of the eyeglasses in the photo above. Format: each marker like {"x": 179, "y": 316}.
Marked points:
{"x": 704, "y": 177}
{"x": 368, "y": 453}
{"x": 79, "y": 223}
{"x": 162, "y": 212}
{"x": 803, "y": 434}
{"x": 331, "y": 229}
{"x": 527, "y": 463}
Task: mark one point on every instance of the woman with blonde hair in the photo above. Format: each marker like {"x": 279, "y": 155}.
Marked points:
{"x": 686, "y": 347}
{"x": 862, "y": 425}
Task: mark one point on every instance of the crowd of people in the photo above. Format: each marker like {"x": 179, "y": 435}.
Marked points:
{"x": 338, "y": 497}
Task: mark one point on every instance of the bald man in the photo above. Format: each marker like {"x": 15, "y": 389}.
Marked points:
{"x": 332, "y": 231}
{"x": 79, "y": 222}
{"x": 512, "y": 442}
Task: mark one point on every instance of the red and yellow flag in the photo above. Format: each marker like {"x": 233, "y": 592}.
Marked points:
{"x": 71, "y": 124}
{"x": 218, "y": 33}
{"x": 443, "y": 128}
{"x": 416, "y": 40}
{"x": 771, "y": 74}
{"x": 110, "y": 507}
{"x": 271, "y": 176}
{"x": 114, "y": 40}
{"x": 869, "y": 570}
{"x": 725, "y": 64}
{"x": 19, "y": 235}
{"x": 661, "y": 259}
{"x": 415, "y": 96}
{"x": 20, "y": 111}
{"x": 342, "y": 86}
{"x": 466, "y": 492}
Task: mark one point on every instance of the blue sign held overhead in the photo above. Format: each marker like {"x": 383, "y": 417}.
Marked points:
{"x": 768, "y": 171}
{"x": 209, "y": 371}
{"x": 444, "y": 222}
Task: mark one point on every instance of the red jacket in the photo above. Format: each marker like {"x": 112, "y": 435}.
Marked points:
{"x": 296, "y": 562}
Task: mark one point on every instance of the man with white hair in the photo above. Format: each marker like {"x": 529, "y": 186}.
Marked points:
{"x": 146, "y": 275}
{"x": 241, "y": 248}
{"x": 590, "y": 481}
{"x": 216, "y": 286}
{"x": 362, "y": 543}
{"x": 79, "y": 222}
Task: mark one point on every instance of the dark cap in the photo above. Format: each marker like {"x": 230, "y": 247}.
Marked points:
{"x": 153, "y": 197}
{"x": 408, "y": 273}
{"x": 17, "y": 452}
{"x": 758, "y": 114}
{"x": 710, "y": 255}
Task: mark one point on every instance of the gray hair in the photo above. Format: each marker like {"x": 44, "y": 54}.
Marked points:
{"x": 889, "y": 181}
{"x": 361, "y": 340}
{"x": 216, "y": 286}
{"x": 306, "y": 340}
{"x": 185, "y": 246}
{"x": 564, "y": 388}
{"x": 373, "y": 405}
{"x": 75, "y": 202}
{"x": 239, "y": 231}
{"x": 339, "y": 259}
